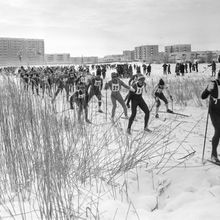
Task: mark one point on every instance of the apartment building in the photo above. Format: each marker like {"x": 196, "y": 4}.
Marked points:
{"x": 178, "y": 48}
{"x": 113, "y": 58}
{"x": 21, "y": 51}
{"x": 84, "y": 60}
{"x": 200, "y": 56}
{"x": 147, "y": 53}
{"x": 128, "y": 55}
{"x": 59, "y": 58}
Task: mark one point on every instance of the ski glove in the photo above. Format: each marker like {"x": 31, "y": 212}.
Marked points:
{"x": 210, "y": 87}
{"x": 132, "y": 89}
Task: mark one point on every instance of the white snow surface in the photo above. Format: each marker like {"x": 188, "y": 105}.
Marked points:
{"x": 182, "y": 189}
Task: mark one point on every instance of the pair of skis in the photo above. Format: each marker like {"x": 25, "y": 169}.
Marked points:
{"x": 175, "y": 113}
{"x": 213, "y": 162}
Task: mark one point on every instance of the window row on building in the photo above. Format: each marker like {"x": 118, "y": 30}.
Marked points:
{"x": 20, "y": 51}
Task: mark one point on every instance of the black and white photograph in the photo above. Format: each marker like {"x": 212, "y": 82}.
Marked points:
{"x": 109, "y": 110}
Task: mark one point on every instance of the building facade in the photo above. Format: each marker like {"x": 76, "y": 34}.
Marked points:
{"x": 147, "y": 53}
{"x": 128, "y": 55}
{"x": 59, "y": 58}
{"x": 200, "y": 56}
{"x": 113, "y": 58}
{"x": 84, "y": 60}
{"x": 20, "y": 51}
{"x": 178, "y": 48}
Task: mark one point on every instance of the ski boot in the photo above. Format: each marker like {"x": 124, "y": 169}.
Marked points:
{"x": 147, "y": 129}
{"x": 169, "y": 111}
{"x": 88, "y": 121}
{"x": 215, "y": 159}
{"x": 129, "y": 131}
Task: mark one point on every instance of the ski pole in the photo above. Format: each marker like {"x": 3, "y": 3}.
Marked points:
{"x": 106, "y": 99}
{"x": 206, "y": 128}
{"x": 205, "y": 68}
{"x": 152, "y": 106}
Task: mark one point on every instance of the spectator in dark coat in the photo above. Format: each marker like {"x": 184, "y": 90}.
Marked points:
{"x": 213, "y": 65}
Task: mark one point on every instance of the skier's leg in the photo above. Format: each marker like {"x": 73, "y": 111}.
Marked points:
{"x": 134, "y": 104}
{"x": 143, "y": 106}
{"x": 114, "y": 105}
{"x": 215, "y": 140}
{"x": 121, "y": 101}
{"x": 157, "y": 106}
{"x": 99, "y": 97}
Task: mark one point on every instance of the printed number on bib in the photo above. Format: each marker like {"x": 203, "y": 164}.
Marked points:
{"x": 82, "y": 79}
{"x": 115, "y": 87}
{"x": 139, "y": 90}
{"x": 81, "y": 96}
{"x": 97, "y": 83}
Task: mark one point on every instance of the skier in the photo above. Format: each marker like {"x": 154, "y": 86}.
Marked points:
{"x": 196, "y": 66}
{"x": 115, "y": 85}
{"x": 133, "y": 79}
{"x": 144, "y": 66}
{"x": 103, "y": 71}
{"x": 137, "y": 100}
{"x": 80, "y": 97}
{"x": 158, "y": 94}
{"x": 169, "y": 69}
{"x": 164, "y": 68}
{"x": 186, "y": 67}
{"x": 213, "y": 65}
{"x": 182, "y": 69}
{"x": 190, "y": 66}
{"x": 61, "y": 81}
{"x": 149, "y": 70}
{"x": 213, "y": 90}
{"x": 95, "y": 89}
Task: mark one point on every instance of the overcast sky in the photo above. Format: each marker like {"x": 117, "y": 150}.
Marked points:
{"x": 104, "y": 27}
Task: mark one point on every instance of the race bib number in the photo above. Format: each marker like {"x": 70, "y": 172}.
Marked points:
{"x": 97, "y": 83}
{"x": 159, "y": 90}
{"x": 115, "y": 87}
{"x": 139, "y": 90}
{"x": 83, "y": 79}
{"x": 82, "y": 96}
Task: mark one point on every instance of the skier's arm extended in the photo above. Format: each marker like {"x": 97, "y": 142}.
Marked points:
{"x": 154, "y": 90}
{"x": 126, "y": 86}
{"x": 145, "y": 87}
{"x": 207, "y": 90}
{"x": 168, "y": 92}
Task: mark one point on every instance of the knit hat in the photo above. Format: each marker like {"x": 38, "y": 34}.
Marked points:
{"x": 161, "y": 82}
{"x": 141, "y": 78}
{"x": 114, "y": 75}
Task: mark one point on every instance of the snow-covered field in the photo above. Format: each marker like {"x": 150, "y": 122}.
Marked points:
{"x": 162, "y": 175}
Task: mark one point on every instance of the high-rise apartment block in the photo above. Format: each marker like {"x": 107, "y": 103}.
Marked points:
{"x": 128, "y": 55}
{"x": 113, "y": 58}
{"x": 20, "y": 51}
{"x": 84, "y": 60}
{"x": 178, "y": 48}
{"x": 60, "y": 58}
{"x": 147, "y": 53}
